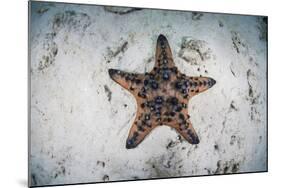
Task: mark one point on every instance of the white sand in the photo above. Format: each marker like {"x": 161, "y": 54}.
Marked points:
{"x": 80, "y": 118}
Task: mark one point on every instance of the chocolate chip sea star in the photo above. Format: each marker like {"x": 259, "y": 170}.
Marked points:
{"x": 162, "y": 96}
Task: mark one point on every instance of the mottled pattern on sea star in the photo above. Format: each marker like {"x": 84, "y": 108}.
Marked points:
{"x": 162, "y": 96}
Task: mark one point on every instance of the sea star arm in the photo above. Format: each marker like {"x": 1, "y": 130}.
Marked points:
{"x": 185, "y": 128}
{"x": 139, "y": 130}
{"x": 163, "y": 56}
{"x": 129, "y": 81}
{"x": 199, "y": 84}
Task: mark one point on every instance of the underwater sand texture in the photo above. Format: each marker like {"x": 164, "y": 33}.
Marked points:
{"x": 80, "y": 117}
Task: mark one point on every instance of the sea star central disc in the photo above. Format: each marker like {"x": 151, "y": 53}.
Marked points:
{"x": 162, "y": 96}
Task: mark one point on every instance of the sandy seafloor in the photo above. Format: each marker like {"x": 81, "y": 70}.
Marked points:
{"x": 80, "y": 118}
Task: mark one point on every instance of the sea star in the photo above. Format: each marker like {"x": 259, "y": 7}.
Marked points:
{"x": 162, "y": 96}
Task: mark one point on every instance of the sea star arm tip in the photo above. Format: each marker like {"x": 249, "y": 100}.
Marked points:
{"x": 188, "y": 132}
{"x": 129, "y": 81}
{"x": 200, "y": 84}
{"x": 137, "y": 134}
{"x": 163, "y": 55}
